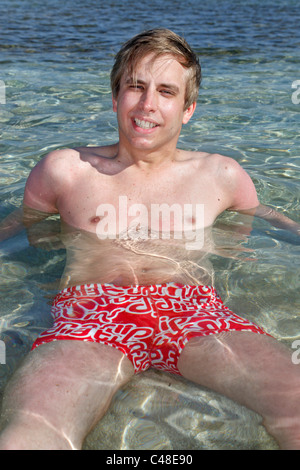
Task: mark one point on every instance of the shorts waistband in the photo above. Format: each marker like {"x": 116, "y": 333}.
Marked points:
{"x": 172, "y": 289}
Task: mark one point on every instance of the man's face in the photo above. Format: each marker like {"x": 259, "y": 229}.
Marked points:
{"x": 150, "y": 105}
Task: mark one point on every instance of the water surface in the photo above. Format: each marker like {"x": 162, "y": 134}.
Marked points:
{"x": 55, "y": 60}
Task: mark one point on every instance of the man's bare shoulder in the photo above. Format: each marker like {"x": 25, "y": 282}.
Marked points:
{"x": 229, "y": 177}
{"x": 47, "y": 180}
{"x": 101, "y": 152}
{"x": 53, "y": 169}
{"x": 68, "y": 161}
{"x": 225, "y": 166}
{"x": 215, "y": 162}
{"x": 61, "y": 157}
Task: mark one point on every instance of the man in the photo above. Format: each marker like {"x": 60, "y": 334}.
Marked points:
{"x": 136, "y": 291}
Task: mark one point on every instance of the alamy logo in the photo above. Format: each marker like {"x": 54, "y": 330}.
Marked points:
{"x": 2, "y": 352}
{"x": 163, "y": 221}
{"x": 2, "y": 92}
{"x": 296, "y": 354}
{"x": 296, "y": 94}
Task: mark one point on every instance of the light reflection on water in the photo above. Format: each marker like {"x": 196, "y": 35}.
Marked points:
{"x": 159, "y": 411}
{"x": 58, "y": 95}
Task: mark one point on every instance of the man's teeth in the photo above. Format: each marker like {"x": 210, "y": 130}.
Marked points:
{"x": 144, "y": 124}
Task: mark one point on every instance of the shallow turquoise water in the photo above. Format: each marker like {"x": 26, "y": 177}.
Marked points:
{"x": 55, "y": 59}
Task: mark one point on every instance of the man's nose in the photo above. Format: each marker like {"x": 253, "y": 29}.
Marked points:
{"x": 149, "y": 100}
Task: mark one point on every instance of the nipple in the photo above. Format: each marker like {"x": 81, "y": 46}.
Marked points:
{"x": 95, "y": 220}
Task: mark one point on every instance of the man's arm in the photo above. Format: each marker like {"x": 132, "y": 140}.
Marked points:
{"x": 274, "y": 218}
{"x": 18, "y": 220}
{"x": 43, "y": 184}
{"x": 40, "y": 196}
{"x": 244, "y": 198}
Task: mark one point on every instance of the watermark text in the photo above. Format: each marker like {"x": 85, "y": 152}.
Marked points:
{"x": 2, "y": 352}
{"x": 2, "y": 92}
{"x": 164, "y": 221}
{"x": 296, "y": 354}
{"x": 296, "y": 93}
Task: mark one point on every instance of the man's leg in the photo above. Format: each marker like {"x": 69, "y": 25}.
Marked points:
{"x": 253, "y": 370}
{"x": 60, "y": 393}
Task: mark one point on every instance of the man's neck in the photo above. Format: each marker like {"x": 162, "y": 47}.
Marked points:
{"x": 147, "y": 159}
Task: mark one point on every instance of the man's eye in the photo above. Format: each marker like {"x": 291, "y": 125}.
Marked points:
{"x": 136, "y": 87}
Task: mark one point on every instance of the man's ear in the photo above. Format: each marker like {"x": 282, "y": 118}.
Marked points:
{"x": 114, "y": 103}
{"x": 188, "y": 113}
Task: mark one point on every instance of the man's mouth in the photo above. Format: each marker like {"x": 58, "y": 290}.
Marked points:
{"x": 144, "y": 124}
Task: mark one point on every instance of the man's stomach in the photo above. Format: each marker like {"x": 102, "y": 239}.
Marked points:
{"x": 133, "y": 262}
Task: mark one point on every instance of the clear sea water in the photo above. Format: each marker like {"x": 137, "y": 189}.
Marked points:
{"x": 55, "y": 59}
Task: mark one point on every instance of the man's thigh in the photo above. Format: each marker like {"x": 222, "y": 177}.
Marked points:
{"x": 253, "y": 369}
{"x": 65, "y": 386}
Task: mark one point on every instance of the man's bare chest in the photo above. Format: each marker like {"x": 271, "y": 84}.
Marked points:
{"x": 123, "y": 200}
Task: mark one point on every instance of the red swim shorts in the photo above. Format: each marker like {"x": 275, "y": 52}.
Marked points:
{"x": 150, "y": 324}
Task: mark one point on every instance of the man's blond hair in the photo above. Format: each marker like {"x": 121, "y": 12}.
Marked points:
{"x": 157, "y": 42}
